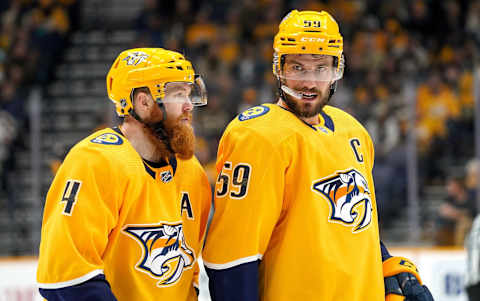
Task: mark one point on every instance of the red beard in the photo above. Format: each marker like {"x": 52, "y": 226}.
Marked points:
{"x": 181, "y": 138}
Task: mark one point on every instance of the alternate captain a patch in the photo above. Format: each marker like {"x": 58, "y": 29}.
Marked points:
{"x": 108, "y": 138}
{"x": 349, "y": 197}
{"x": 253, "y": 112}
{"x": 165, "y": 253}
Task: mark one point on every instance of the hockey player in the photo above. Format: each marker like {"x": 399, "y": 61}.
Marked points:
{"x": 472, "y": 245}
{"x": 295, "y": 213}
{"x": 126, "y": 214}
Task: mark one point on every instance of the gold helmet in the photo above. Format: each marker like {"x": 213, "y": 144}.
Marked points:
{"x": 154, "y": 68}
{"x": 309, "y": 32}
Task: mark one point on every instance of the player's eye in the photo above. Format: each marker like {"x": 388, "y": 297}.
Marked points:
{"x": 181, "y": 93}
{"x": 322, "y": 69}
{"x": 297, "y": 68}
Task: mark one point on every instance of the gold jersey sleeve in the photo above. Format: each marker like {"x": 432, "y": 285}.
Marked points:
{"x": 300, "y": 199}
{"x": 251, "y": 185}
{"x": 110, "y": 212}
{"x": 80, "y": 211}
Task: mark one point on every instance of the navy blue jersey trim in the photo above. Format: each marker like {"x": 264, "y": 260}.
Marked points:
{"x": 149, "y": 170}
{"x": 94, "y": 289}
{"x": 117, "y": 129}
{"x": 385, "y": 253}
{"x": 239, "y": 283}
{"x": 173, "y": 162}
{"x": 328, "y": 121}
{"x": 156, "y": 164}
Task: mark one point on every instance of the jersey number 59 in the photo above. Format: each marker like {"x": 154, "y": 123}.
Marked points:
{"x": 240, "y": 178}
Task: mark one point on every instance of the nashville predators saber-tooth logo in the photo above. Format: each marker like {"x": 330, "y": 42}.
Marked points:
{"x": 346, "y": 191}
{"x": 165, "y": 251}
{"x": 135, "y": 58}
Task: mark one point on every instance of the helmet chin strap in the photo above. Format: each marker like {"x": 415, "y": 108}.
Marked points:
{"x": 283, "y": 89}
{"x": 158, "y": 127}
{"x": 290, "y": 91}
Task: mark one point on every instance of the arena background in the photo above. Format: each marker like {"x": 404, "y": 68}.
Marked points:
{"x": 410, "y": 78}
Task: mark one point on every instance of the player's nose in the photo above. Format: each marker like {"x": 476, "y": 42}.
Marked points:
{"x": 309, "y": 84}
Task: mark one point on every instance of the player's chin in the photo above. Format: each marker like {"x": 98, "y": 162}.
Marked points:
{"x": 186, "y": 123}
{"x": 310, "y": 109}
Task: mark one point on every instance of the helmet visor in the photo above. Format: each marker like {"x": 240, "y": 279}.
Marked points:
{"x": 321, "y": 71}
{"x": 182, "y": 92}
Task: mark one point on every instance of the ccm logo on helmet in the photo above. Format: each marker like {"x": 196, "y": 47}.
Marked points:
{"x": 304, "y": 39}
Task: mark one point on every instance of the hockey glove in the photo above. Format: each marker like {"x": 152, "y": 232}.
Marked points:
{"x": 402, "y": 281}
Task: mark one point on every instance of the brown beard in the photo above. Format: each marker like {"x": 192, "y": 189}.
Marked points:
{"x": 162, "y": 149}
{"x": 307, "y": 110}
{"x": 181, "y": 139}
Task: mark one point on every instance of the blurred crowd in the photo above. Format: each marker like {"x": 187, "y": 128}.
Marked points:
{"x": 457, "y": 212}
{"x": 401, "y": 57}
{"x": 32, "y": 37}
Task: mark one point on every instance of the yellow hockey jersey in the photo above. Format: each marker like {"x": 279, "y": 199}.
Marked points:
{"x": 300, "y": 199}
{"x": 140, "y": 224}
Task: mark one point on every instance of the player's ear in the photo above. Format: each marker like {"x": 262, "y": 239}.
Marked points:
{"x": 142, "y": 99}
{"x": 142, "y": 102}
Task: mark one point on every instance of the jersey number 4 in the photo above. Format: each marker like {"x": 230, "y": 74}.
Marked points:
{"x": 240, "y": 180}
{"x": 70, "y": 195}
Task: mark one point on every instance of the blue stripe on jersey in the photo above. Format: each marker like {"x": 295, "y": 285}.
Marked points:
{"x": 96, "y": 288}
{"x": 148, "y": 169}
{"x": 385, "y": 253}
{"x": 173, "y": 162}
{"x": 239, "y": 283}
{"x": 328, "y": 122}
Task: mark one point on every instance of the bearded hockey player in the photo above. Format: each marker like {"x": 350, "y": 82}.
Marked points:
{"x": 295, "y": 211}
{"x": 126, "y": 214}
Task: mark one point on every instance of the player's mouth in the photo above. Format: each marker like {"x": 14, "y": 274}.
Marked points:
{"x": 186, "y": 119}
{"x": 309, "y": 96}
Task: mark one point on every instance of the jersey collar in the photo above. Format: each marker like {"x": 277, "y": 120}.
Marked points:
{"x": 325, "y": 121}
{"x": 151, "y": 166}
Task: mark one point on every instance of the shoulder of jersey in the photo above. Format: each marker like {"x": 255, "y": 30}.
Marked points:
{"x": 106, "y": 137}
{"x": 190, "y": 164}
{"x": 343, "y": 118}
{"x": 267, "y": 119}
{"x": 260, "y": 112}
{"x": 107, "y": 142}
